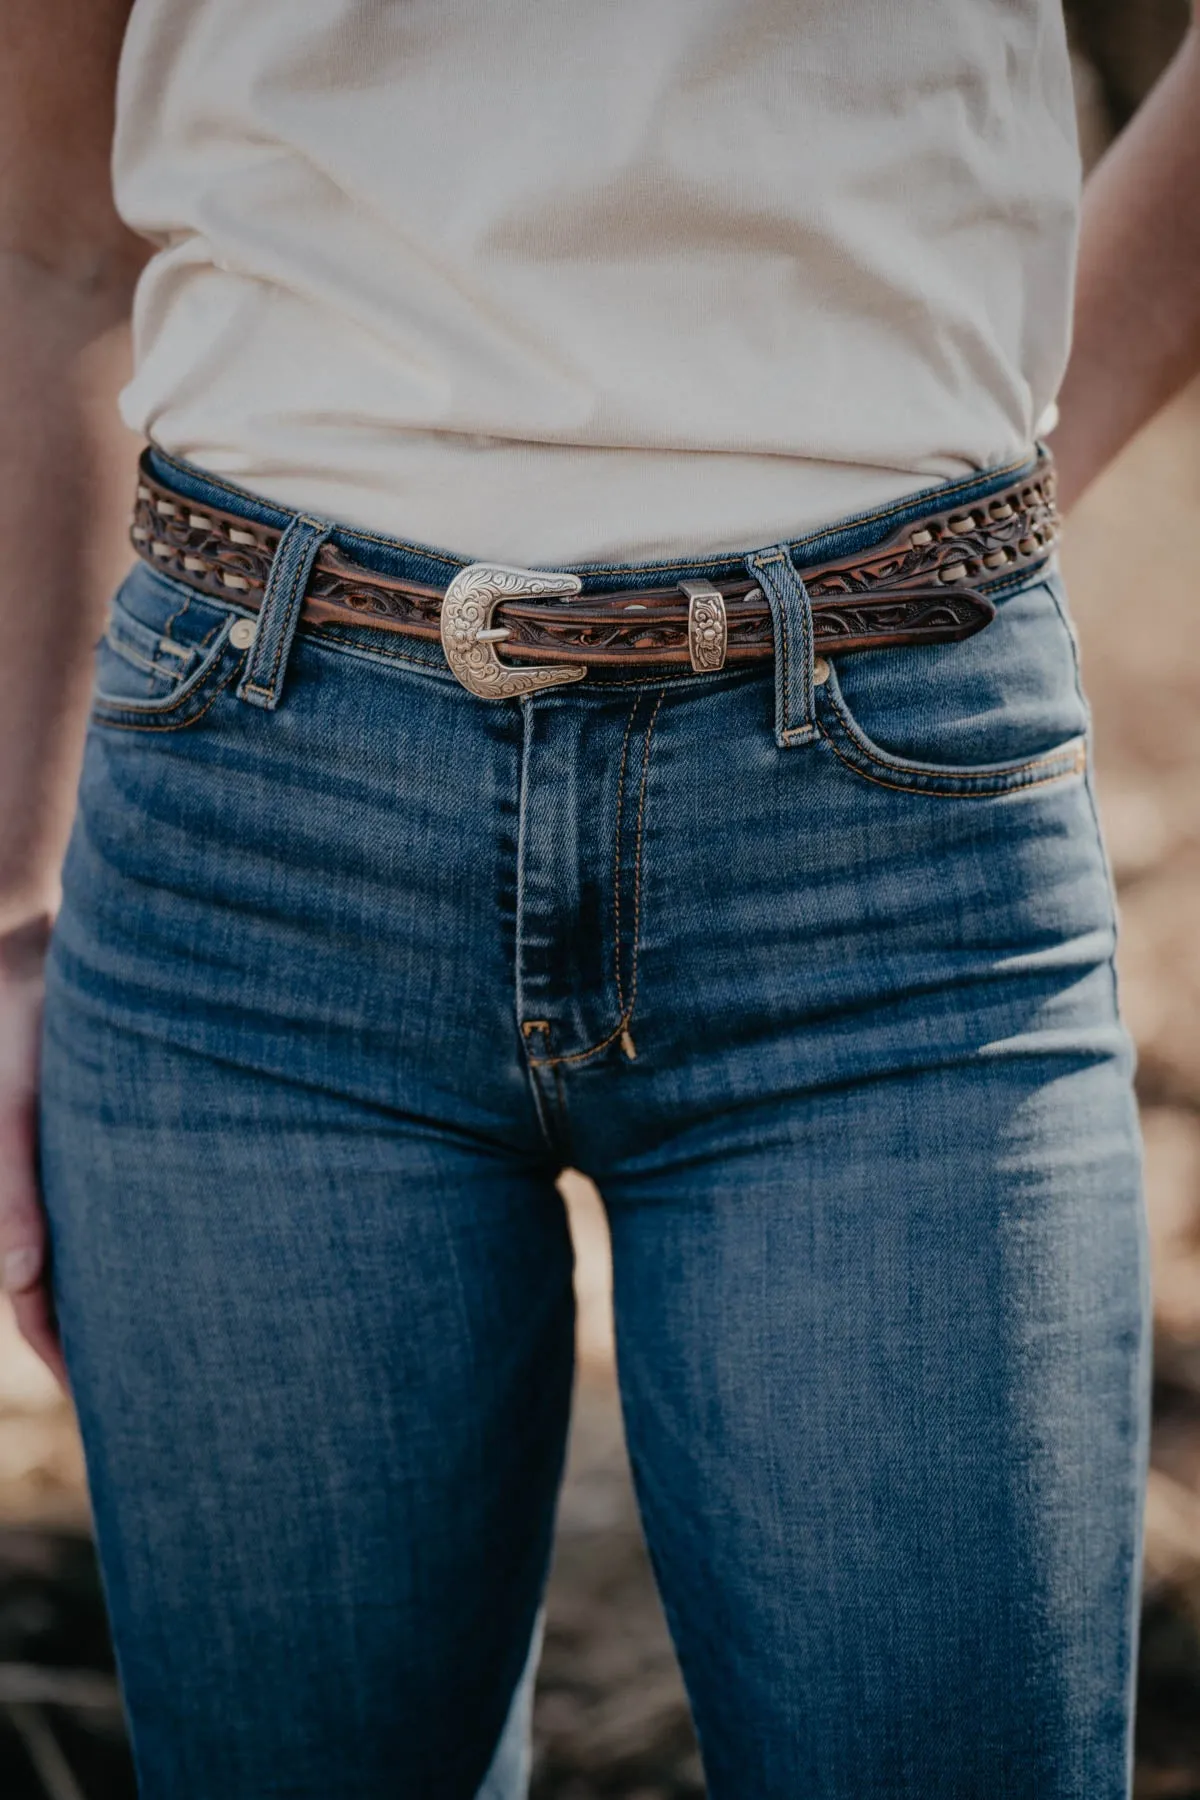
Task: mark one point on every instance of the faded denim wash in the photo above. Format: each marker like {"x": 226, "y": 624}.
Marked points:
{"x": 813, "y": 973}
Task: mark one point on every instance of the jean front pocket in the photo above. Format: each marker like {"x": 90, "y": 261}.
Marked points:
{"x": 999, "y": 712}
{"x": 166, "y": 655}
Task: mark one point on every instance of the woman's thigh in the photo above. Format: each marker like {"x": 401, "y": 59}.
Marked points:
{"x": 322, "y": 1363}
{"x": 880, "y": 1275}
{"x": 313, "y": 1277}
{"x": 883, "y": 1364}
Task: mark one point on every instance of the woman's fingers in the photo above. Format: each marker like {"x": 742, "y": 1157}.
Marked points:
{"x": 24, "y": 1270}
{"x": 35, "y": 1322}
{"x": 24, "y": 1267}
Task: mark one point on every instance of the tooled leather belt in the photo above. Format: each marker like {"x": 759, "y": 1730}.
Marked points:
{"x": 921, "y": 585}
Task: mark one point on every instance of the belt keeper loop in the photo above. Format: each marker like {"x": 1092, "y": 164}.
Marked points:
{"x": 287, "y": 583}
{"x": 791, "y": 618}
{"x": 708, "y": 627}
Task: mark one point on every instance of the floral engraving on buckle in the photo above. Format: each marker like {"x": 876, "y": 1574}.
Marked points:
{"x": 469, "y": 638}
{"x": 708, "y": 628}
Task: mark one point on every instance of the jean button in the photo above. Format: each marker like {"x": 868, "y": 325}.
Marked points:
{"x": 820, "y": 671}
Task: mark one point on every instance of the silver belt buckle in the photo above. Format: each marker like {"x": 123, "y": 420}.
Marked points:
{"x": 469, "y": 637}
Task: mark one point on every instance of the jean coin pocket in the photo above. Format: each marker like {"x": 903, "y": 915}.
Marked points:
{"x": 164, "y": 655}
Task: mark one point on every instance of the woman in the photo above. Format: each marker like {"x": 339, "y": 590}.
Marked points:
{"x": 593, "y": 687}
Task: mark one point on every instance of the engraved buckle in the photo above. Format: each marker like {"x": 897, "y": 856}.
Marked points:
{"x": 469, "y": 638}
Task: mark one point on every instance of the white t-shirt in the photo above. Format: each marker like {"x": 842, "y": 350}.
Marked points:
{"x": 570, "y": 280}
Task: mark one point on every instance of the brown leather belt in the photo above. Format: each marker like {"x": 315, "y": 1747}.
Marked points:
{"x": 920, "y": 586}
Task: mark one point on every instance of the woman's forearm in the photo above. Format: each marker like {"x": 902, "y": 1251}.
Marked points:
{"x": 63, "y": 485}
{"x": 67, "y": 270}
{"x": 1137, "y": 309}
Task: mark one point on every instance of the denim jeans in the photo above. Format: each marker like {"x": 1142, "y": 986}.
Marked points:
{"x": 811, "y": 968}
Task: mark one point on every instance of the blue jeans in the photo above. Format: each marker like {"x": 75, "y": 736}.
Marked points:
{"x": 812, "y": 971}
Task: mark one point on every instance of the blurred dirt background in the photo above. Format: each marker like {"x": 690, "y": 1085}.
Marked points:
{"x": 611, "y": 1721}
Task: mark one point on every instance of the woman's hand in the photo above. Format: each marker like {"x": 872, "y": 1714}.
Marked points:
{"x": 24, "y": 1262}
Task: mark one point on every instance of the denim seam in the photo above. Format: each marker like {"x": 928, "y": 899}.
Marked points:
{"x": 983, "y": 793}
{"x": 563, "y": 1148}
{"x": 176, "y": 724}
{"x": 637, "y": 877}
{"x": 544, "y": 1102}
{"x": 617, "y": 856}
{"x": 324, "y": 636}
{"x": 168, "y": 645}
{"x": 121, "y": 646}
{"x": 173, "y": 674}
{"x": 948, "y": 771}
{"x": 622, "y": 1023}
{"x": 177, "y": 614}
{"x": 188, "y": 688}
{"x": 128, "y": 654}
{"x": 1068, "y": 627}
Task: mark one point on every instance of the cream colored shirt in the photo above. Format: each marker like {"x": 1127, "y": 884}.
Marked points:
{"x": 565, "y": 280}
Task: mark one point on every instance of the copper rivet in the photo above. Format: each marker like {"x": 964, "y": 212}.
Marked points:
{"x": 241, "y": 633}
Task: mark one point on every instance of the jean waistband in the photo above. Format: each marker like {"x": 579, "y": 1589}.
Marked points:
{"x": 426, "y": 563}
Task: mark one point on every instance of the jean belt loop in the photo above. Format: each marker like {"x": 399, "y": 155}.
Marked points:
{"x": 791, "y": 617}
{"x": 266, "y": 665}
